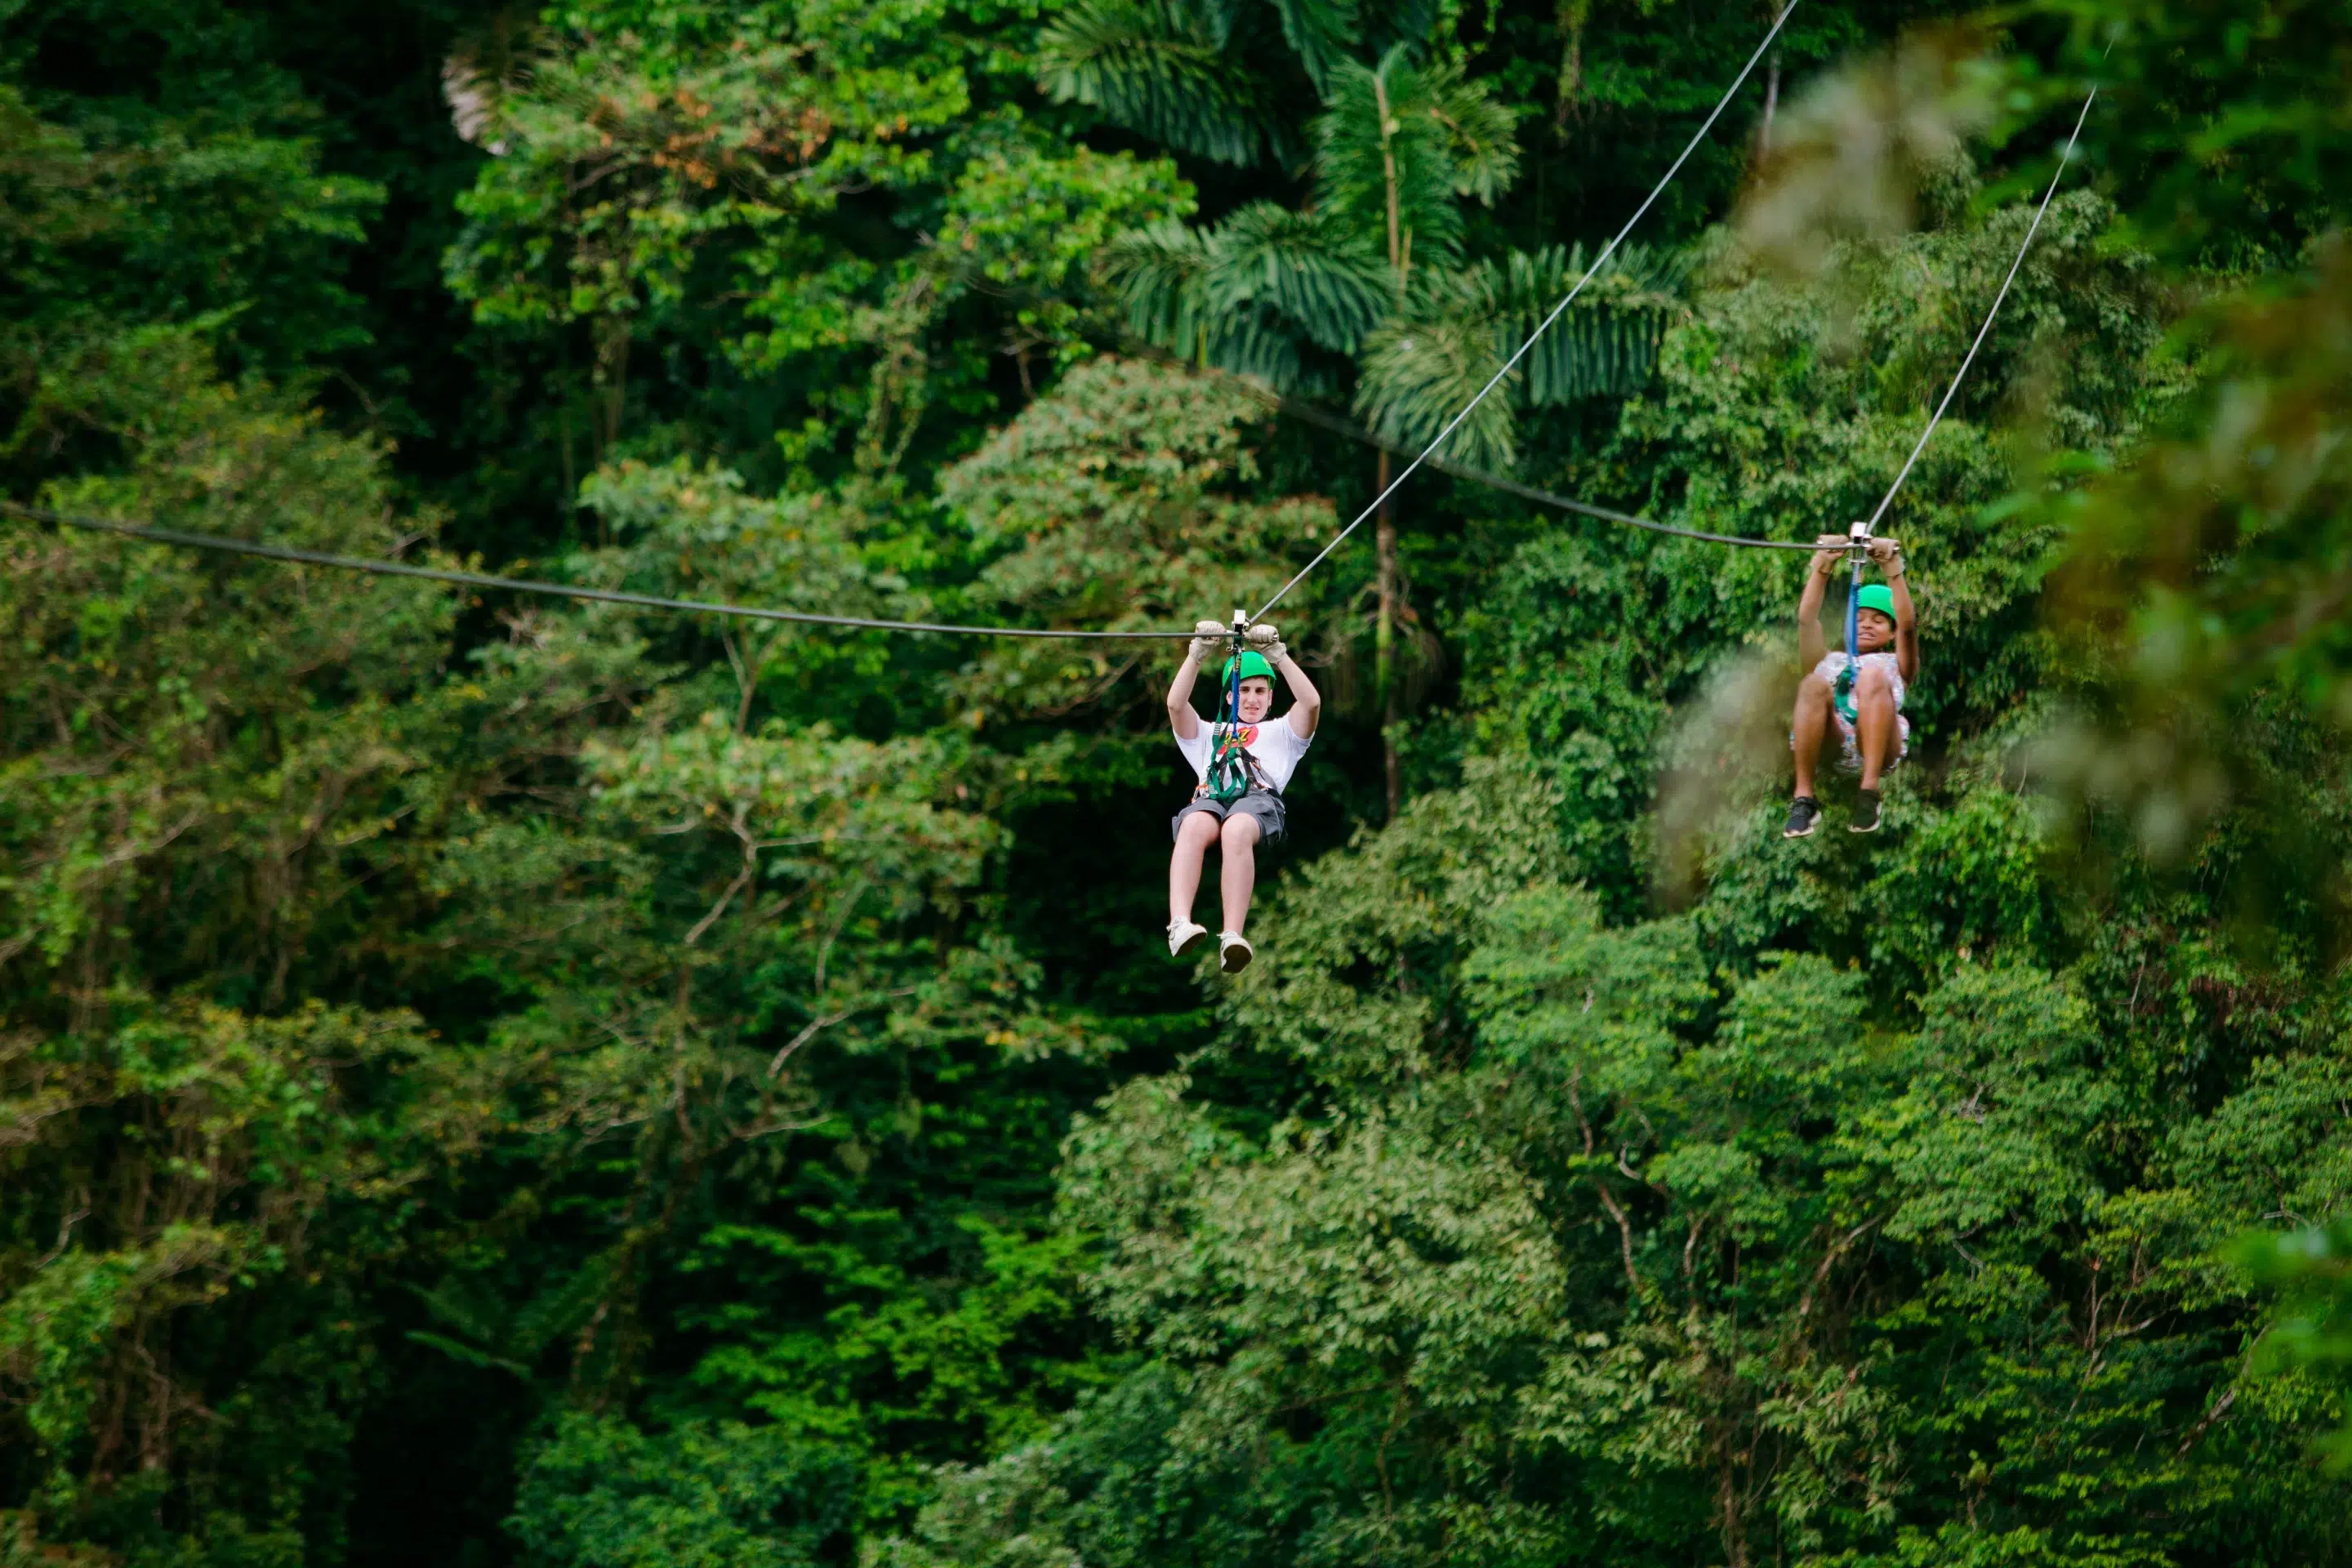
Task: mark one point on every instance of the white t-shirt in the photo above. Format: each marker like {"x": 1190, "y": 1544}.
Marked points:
{"x": 1272, "y": 744}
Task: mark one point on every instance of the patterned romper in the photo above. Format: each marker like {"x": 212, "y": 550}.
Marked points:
{"x": 1850, "y": 744}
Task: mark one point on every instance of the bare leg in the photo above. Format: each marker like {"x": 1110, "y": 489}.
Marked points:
{"x": 1193, "y": 841}
{"x": 1240, "y": 874}
{"x": 1874, "y": 722}
{"x": 1807, "y": 725}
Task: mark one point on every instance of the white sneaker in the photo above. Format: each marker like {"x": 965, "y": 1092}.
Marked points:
{"x": 1183, "y": 936}
{"x": 1234, "y": 952}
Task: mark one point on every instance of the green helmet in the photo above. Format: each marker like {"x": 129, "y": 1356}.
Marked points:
{"x": 1252, "y": 663}
{"x": 1877, "y": 596}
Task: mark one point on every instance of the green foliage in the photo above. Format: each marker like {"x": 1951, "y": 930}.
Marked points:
{"x": 1160, "y": 70}
{"x": 1398, "y": 146}
{"x": 1122, "y": 499}
{"x": 1242, "y": 295}
{"x": 261, "y": 821}
{"x": 1455, "y": 329}
{"x": 488, "y": 1081}
{"x": 1207, "y": 77}
{"x": 2312, "y": 1333}
{"x": 724, "y": 1496}
{"x": 125, "y": 228}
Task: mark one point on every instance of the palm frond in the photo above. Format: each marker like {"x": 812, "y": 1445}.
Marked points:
{"x": 1398, "y": 22}
{"x": 560, "y": 1308}
{"x": 1426, "y": 362}
{"x": 1256, "y": 342}
{"x": 1364, "y": 135}
{"x": 1159, "y": 69}
{"x": 1455, "y": 329}
{"x": 1246, "y": 297}
{"x": 1325, "y": 279}
{"x": 1214, "y": 18}
{"x": 454, "y": 1304}
{"x": 1606, "y": 346}
{"x": 1159, "y": 272}
{"x": 1347, "y": 134}
{"x": 1321, "y": 32}
{"x": 1441, "y": 136}
{"x": 1478, "y": 132}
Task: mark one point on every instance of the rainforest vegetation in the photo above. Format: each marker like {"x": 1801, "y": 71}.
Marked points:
{"x": 495, "y": 1079}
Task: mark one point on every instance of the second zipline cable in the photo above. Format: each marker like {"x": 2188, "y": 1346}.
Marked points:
{"x": 1545, "y": 325}
{"x": 2065, "y": 156}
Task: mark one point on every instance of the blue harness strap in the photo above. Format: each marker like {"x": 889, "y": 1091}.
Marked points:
{"x": 1842, "y": 689}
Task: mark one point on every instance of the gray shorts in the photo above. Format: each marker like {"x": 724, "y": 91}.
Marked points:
{"x": 1264, "y": 805}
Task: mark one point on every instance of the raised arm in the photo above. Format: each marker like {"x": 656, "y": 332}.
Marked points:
{"x": 1305, "y": 702}
{"x": 1206, "y": 639}
{"x": 1888, "y": 555}
{"x": 1811, "y": 647}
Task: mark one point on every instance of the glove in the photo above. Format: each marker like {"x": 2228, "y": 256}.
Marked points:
{"x": 1268, "y": 641}
{"x": 1208, "y": 640}
{"x": 1829, "y": 553}
{"x": 1886, "y": 555}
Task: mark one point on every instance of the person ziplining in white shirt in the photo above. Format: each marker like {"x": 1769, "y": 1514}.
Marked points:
{"x": 1255, "y": 757}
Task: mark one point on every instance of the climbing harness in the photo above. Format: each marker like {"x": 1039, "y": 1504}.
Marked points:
{"x": 1858, "y": 598}
{"x": 1231, "y": 773}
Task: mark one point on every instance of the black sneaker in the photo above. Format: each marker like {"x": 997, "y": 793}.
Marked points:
{"x": 1805, "y": 816}
{"x": 1865, "y": 812}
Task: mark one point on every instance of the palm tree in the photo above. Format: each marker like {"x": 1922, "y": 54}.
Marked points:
{"x": 1403, "y": 146}
{"x": 1371, "y": 277}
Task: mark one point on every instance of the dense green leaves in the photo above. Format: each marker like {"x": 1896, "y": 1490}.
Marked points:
{"x": 509, "y": 1081}
{"x": 714, "y": 1497}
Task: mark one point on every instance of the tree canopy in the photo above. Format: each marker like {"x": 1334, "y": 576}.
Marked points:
{"x": 488, "y": 1079}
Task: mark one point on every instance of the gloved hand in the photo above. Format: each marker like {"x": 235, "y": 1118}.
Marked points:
{"x": 1268, "y": 641}
{"x": 1886, "y": 555}
{"x": 1830, "y": 553}
{"x": 1209, "y": 640}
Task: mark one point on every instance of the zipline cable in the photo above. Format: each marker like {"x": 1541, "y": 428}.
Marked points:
{"x": 1545, "y": 325}
{"x": 1307, "y": 413}
{"x": 2065, "y": 157}
{"x": 529, "y": 585}
{"x": 1859, "y": 536}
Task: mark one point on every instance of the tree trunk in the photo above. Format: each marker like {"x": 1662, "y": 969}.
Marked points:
{"x": 1384, "y": 685}
{"x": 1573, "y": 15}
{"x": 1389, "y": 178}
{"x": 612, "y": 378}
